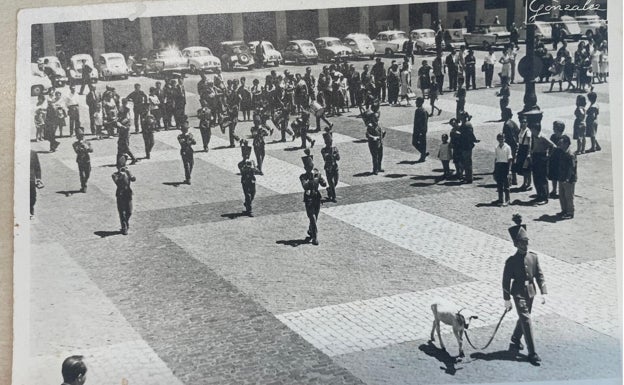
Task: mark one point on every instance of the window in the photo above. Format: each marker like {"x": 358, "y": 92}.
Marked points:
{"x": 382, "y": 37}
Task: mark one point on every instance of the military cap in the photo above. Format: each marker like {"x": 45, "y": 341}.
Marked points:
{"x": 327, "y": 135}
{"x": 121, "y": 161}
{"x": 245, "y": 148}
{"x": 308, "y": 159}
{"x": 518, "y": 232}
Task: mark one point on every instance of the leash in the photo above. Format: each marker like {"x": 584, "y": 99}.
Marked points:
{"x": 493, "y": 334}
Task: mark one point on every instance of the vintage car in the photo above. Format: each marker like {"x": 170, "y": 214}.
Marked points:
{"x": 76, "y": 64}
{"x": 165, "y": 60}
{"x": 271, "y": 55}
{"x": 300, "y": 51}
{"x": 55, "y": 71}
{"x": 543, "y": 30}
{"x": 235, "y": 54}
{"x": 39, "y": 82}
{"x": 201, "y": 59}
{"x": 332, "y": 49}
{"x": 589, "y": 24}
{"x": 571, "y": 29}
{"x": 389, "y": 42}
{"x": 424, "y": 40}
{"x": 112, "y": 65}
{"x": 486, "y": 36}
{"x": 361, "y": 45}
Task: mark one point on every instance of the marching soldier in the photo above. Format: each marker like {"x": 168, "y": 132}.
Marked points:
{"x": 259, "y": 131}
{"x": 122, "y": 179}
{"x": 205, "y": 125}
{"x": 521, "y": 269}
{"x": 300, "y": 127}
{"x": 331, "y": 156}
{"x": 233, "y": 101}
{"x": 375, "y": 135}
{"x": 149, "y": 126}
{"x": 82, "y": 149}
{"x": 282, "y": 114}
{"x": 248, "y": 172}
{"x": 123, "y": 140}
{"x": 310, "y": 181}
{"x": 186, "y": 149}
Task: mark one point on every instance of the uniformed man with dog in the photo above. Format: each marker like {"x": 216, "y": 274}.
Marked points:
{"x": 331, "y": 156}
{"x": 248, "y": 172}
{"x": 310, "y": 181}
{"x": 521, "y": 272}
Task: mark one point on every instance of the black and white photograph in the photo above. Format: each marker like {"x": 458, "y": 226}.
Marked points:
{"x": 327, "y": 192}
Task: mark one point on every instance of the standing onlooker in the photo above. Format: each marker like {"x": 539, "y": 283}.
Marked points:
{"x": 394, "y": 83}
{"x": 579, "y": 124}
{"x": 92, "y": 99}
{"x": 467, "y": 143}
{"x": 408, "y": 49}
{"x": 556, "y": 75}
{"x": 556, "y": 35}
{"x": 379, "y": 74}
{"x": 154, "y": 105}
{"x": 513, "y": 54}
{"x": 568, "y": 72}
{"x": 488, "y": 67}
{"x": 604, "y": 62}
{"x": 50, "y": 126}
{"x": 595, "y": 65}
{"x": 591, "y": 121}
{"x": 98, "y": 121}
{"x": 419, "y": 134}
{"x": 504, "y": 93}
{"x": 505, "y": 61}
{"x": 539, "y": 158}
{"x": 567, "y": 178}
{"x": 451, "y": 65}
{"x": 140, "y": 105}
{"x": 424, "y": 76}
{"x": 82, "y": 148}
{"x": 513, "y": 34}
{"x": 455, "y": 136}
{"x": 406, "y": 83}
{"x": 445, "y": 154}
{"x": 433, "y": 96}
{"x": 40, "y": 117}
{"x": 555, "y": 156}
{"x": 522, "y": 161}
{"x": 460, "y": 96}
{"x": 86, "y": 76}
{"x": 438, "y": 72}
{"x": 60, "y": 106}
{"x": 35, "y": 180}
{"x": 471, "y": 63}
{"x": 511, "y": 132}
{"x": 503, "y": 160}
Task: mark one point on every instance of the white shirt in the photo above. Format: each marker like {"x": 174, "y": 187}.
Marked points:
{"x": 503, "y": 153}
{"x": 490, "y": 59}
{"x": 71, "y": 100}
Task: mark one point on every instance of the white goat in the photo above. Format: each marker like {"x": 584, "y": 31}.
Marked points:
{"x": 450, "y": 315}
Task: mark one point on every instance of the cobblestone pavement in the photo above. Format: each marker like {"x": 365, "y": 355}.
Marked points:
{"x": 198, "y": 294}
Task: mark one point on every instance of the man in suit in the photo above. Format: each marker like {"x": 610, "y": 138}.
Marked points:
{"x": 521, "y": 270}
{"x": 93, "y": 99}
{"x": 451, "y": 65}
{"x": 419, "y": 135}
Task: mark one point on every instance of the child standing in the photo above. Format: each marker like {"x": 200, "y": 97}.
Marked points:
{"x": 445, "y": 154}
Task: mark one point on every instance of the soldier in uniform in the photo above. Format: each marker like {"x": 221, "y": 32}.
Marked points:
{"x": 123, "y": 140}
{"x": 233, "y": 102}
{"x": 140, "y": 104}
{"x": 419, "y": 135}
{"x": 186, "y": 149}
{"x": 521, "y": 271}
{"x": 248, "y": 172}
{"x": 375, "y": 135}
{"x": 122, "y": 179}
{"x": 300, "y": 127}
{"x": 310, "y": 181}
{"x": 331, "y": 156}
{"x": 82, "y": 149}
{"x": 205, "y": 125}
{"x": 259, "y": 131}
{"x": 282, "y": 114}
{"x": 149, "y": 126}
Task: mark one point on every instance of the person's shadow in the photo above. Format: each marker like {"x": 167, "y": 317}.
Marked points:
{"x": 441, "y": 355}
{"x": 104, "y": 234}
{"x": 548, "y": 218}
{"x": 501, "y": 355}
{"x": 294, "y": 242}
{"x": 68, "y": 193}
{"x": 174, "y": 184}
{"x": 235, "y": 215}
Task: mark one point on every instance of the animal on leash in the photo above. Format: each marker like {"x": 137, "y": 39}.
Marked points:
{"x": 450, "y": 315}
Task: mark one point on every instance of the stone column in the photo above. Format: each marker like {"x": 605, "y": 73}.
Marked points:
{"x": 364, "y": 20}
{"x": 49, "y": 40}
{"x": 97, "y": 38}
{"x": 442, "y": 15}
{"x": 192, "y": 30}
{"x": 237, "y": 26}
{"x": 145, "y": 28}
{"x": 281, "y": 28}
{"x": 323, "y": 22}
{"x": 404, "y": 18}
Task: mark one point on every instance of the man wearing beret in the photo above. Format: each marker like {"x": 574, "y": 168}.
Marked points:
{"x": 521, "y": 270}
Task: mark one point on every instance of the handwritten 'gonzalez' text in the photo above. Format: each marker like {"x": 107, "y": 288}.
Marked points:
{"x": 537, "y": 9}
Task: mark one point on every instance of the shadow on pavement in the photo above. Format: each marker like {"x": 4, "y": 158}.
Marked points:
{"x": 425, "y": 177}
{"x": 549, "y": 218}
{"x": 293, "y": 148}
{"x": 221, "y": 147}
{"x": 235, "y": 215}
{"x": 68, "y": 193}
{"x": 487, "y": 185}
{"x": 490, "y": 204}
{"x": 395, "y": 176}
{"x": 518, "y": 202}
{"x": 501, "y": 355}
{"x": 361, "y": 174}
{"x": 360, "y": 141}
{"x": 104, "y": 234}
{"x": 441, "y": 355}
{"x": 409, "y": 162}
{"x": 174, "y": 184}
{"x": 294, "y": 242}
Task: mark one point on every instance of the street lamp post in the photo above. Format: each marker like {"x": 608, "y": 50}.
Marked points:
{"x": 530, "y": 67}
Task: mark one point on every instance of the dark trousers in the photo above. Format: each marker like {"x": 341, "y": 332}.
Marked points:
{"x": 124, "y": 207}
{"x": 410, "y": 55}
{"x": 440, "y": 83}
{"x": 187, "y": 161}
{"x": 206, "y": 133}
{"x": 523, "y": 326}
{"x": 420, "y": 143}
{"x": 157, "y": 114}
{"x": 167, "y": 114}
{"x": 124, "y": 149}
{"x": 232, "y": 133}
{"x": 84, "y": 171}
{"x": 539, "y": 167}
{"x": 489, "y": 73}
{"x": 92, "y": 121}
{"x": 467, "y": 164}
{"x": 85, "y": 83}
{"x": 380, "y": 90}
{"x": 452, "y": 79}
{"x": 318, "y": 121}
{"x": 148, "y": 139}
{"x": 457, "y": 160}
{"x": 284, "y": 129}
{"x": 332, "y": 182}
{"x": 33, "y": 196}
{"x": 249, "y": 190}
{"x": 313, "y": 207}
{"x": 459, "y": 108}
{"x": 566, "y": 197}
{"x": 446, "y": 167}
{"x": 393, "y": 93}
{"x": 376, "y": 151}
{"x": 139, "y": 117}
{"x": 501, "y": 173}
{"x": 74, "y": 119}
{"x": 179, "y": 114}
{"x": 470, "y": 79}
{"x": 353, "y": 95}
{"x": 259, "y": 151}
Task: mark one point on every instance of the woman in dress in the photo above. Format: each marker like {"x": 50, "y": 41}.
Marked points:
{"x": 393, "y": 84}
{"x": 424, "y": 77}
{"x": 604, "y": 62}
{"x": 595, "y": 65}
{"x": 505, "y": 60}
{"x": 406, "y": 83}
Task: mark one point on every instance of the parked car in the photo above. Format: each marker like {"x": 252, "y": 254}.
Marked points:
{"x": 332, "y": 49}
{"x": 486, "y": 36}
{"x": 165, "y": 60}
{"x": 271, "y": 55}
{"x": 543, "y": 30}
{"x": 389, "y": 42}
{"x": 571, "y": 29}
{"x": 235, "y": 54}
{"x": 361, "y": 45}
{"x": 589, "y": 24}
{"x": 300, "y": 51}
{"x": 112, "y": 65}
{"x": 201, "y": 59}
{"x": 59, "y": 76}
{"x": 424, "y": 40}
{"x": 39, "y": 82}
{"x": 457, "y": 36}
{"x": 76, "y": 64}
